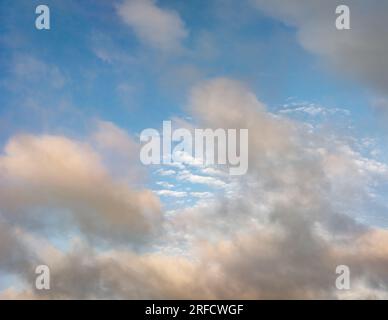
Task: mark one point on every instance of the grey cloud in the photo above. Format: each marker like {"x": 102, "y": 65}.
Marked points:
{"x": 52, "y": 181}
{"x": 359, "y": 52}
{"x": 280, "y": 234}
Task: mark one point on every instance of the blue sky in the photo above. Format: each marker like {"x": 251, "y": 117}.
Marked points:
{"x": 106, "y": 70}
{"x": 90, "y": 66}
{"x": 249, "y": 46}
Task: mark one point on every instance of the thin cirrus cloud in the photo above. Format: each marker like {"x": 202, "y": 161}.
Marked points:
{"x": 154, "y": 26}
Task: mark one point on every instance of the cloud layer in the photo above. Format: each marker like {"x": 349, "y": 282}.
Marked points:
{"x": 279, "y": 234}
{"x": 359, "y": 52}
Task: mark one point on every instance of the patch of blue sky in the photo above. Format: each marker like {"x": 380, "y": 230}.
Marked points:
{"x": 9, "y": 280}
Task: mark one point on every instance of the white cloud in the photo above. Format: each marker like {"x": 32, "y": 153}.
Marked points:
{"x": 186, "y": 175}
{"x": 158, "y": 27}
{"x": 202, "y": 195}
{"x": 311, "y": 109}
{"x": 163, "y": 172}
{"x": 213, "y": 172}
{"x": 171, "y": 193}
{"x": 165, "y": 184}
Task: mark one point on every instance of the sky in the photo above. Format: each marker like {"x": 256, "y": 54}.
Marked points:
{"x": 75, "y": 196}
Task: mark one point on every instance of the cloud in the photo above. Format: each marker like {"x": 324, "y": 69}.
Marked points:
{"x": 165, "y": 184}
{"x": 171, "y": 193}
{"x": 29, "y": 69}
{"x": 107, "y": 51}
{"x": 203, "y": 195}
{"x": 188, "y": 176}
{"x": 164, "y": 172}
{"x": 358, "y": 52}
{"x": 288, "y": 226}
{"x": 311, "y": 109}
{"x": 14, "y": 256}
{"x": 119, "y": 151}
{"x": 66, "y": 179}
{"x": 256, "y": 265}
{"x": 291, "y": 220}
{"x": 157, "y": 27}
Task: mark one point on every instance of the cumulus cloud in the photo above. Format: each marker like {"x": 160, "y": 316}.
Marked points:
{"x": 289, "y": 223}
{"x": 359, "y": 52}
{"x": 257, "y": 265}
{"x": 293, "y": 205}
{"x": 158, "y": 27}
{"x": 65, "y": 179}
{"x": 14, "y": 256}
{"x": 119, "y": 151}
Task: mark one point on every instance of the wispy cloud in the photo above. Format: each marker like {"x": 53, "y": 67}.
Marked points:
{"x": 155, "y": 26}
